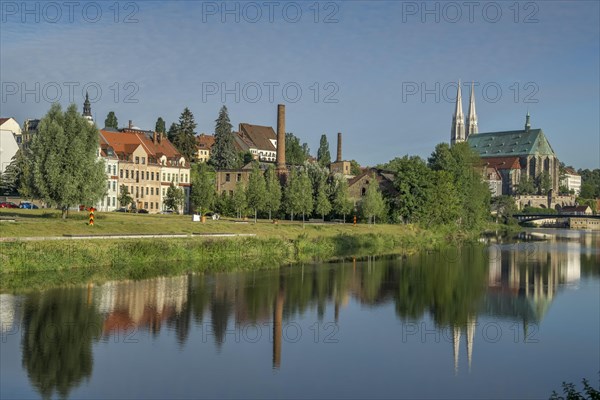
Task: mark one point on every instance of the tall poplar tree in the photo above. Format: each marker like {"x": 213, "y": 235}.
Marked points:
{"x": 202, "y": 195}
{"x": 341, "y": 202}
{"x": 322, "y": 203}
{"x": 239, "y": 199}
{"x": 185, "y": 139}
{"x": 323, "y": 154}
{"x": 372, "y": 204}
{"x": 160, "y": 126}
{"x": 111, "y": 121}
{"x": 273, "y": 188}
{"x": 223, "y": 154}
{"x": 256, "y": 193}
{"x": 65, "y": 167}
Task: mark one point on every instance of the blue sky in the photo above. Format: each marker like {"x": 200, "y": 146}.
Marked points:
{"x": 361, "y": 67}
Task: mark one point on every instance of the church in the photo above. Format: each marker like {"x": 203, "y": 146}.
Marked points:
{"x": 508, "y": 156}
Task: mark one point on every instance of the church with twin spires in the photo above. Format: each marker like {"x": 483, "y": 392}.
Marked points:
{"x": 508, "y": 156}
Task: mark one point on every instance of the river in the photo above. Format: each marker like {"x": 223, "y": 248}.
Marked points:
{"x": 507, "y": 318}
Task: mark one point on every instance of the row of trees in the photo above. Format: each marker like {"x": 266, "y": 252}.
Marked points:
{"x": 309, "y": 191}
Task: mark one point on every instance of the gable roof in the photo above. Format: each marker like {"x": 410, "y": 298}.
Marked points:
{"x": 129, "y": 140}
{"x": 381, "y": 173}
{"x": 204, "y": 141}
{"x": 3, "y": 120}
{"x": 510, "y": 143}
{"x": 260, "y": 136}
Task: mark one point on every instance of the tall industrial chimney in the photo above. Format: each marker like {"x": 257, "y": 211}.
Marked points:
{"x": 281, "y": 167}
{"x": 339, "y": 148}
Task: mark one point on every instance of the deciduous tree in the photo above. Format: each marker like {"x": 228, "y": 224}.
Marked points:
{"x": 202, "y": 195}
{"x": 174, "y": 198}
{"x": 273, "y": 188}
{"x": 256, "y": 193}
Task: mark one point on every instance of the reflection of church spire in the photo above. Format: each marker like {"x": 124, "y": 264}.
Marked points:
{"x": 456, "y": 344}
{"x": 471, "y": 322}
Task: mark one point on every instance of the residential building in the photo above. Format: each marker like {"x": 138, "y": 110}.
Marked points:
{"x": 204, "y": 144}
{"x": 494, "y": 180}
{"x": 261, "y": 140}
{"x": 30, "y": 128}
{"x": 227, "y": 179}
{"x": 577, "y": 210}
{"x": 110, "y": 201}
{"x": 10, "y": 136}
{"x": 571, "y": 180}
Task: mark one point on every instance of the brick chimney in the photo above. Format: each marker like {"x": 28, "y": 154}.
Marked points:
{"x": 281, "y": 166}
{"x": 154, "y": 138}
{"x": 130, "y": 124}
{"x": 339, "y": 147}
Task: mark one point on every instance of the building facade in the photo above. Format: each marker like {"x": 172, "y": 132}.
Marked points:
{"x": 572, "y": 181}
{"x": 10, "y": 136}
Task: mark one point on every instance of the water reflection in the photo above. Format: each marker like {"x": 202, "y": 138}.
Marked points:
{"x": 517, "y": 282}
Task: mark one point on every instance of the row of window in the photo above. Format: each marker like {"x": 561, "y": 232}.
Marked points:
{"x": 228, "y": 177}
{"x": 111, "y": 168}
{"x": 166, "y": 177}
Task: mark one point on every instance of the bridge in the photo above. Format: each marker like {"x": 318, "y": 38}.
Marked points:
{"x": 536, "y": 217}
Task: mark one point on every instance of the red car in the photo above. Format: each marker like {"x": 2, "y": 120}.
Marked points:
{"x": 8, "y": 204}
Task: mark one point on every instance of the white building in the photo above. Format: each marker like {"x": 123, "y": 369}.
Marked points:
{"x": 10, "y": 134}
{"x": 572, "y": 181}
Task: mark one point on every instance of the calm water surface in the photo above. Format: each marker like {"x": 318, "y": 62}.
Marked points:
{"x": 504, "y": 320}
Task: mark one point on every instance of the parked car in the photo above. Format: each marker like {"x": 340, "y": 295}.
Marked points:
{"x": 8, "y": 204}
{"x": 142, "y": 211}
{"x": 167, "y": 212}
{"x": 28, "y": 205}
{"x": 122, "y": 209}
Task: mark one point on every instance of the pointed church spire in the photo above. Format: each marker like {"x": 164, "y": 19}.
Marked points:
{"x": 457, "y": 133}
{"x": 527, "y": 123}
{"x": 87, "y": 109}
{"x": 472, "y": 116}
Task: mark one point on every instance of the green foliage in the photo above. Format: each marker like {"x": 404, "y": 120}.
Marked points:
{"x": 17, "y": 173}
{"x": 526, "y": 186}
{"x": 414, "y": 184}
{"x": 588, "y": 202}
{"x": 571, "y": 392}
{"x": 340, "y": 201}
{"x": 160, "y": 126}
{"x": 372, "y": 204}
{"x": 111, "y": 121}
{"x": 172, "y": 133}
{"x": 355, "y": 168}
{"x": 323, "y": 154}
{"x": 224, "y": 205}
{"x": 174, "y": 198}
{"x": 295, "y": 154}
{"x": 443, "y": 206}
{"x": 223, "y": 154}
{"x": 505, "y": 208}
{"x": 202, "y": 194}
{"x": 124, "y": 198}
{"x": 65, "y": 167}
{"x": 322, "y": 203}
{"x": 543, "y": 183}
{"x": 298, "y": 193}
{"x": 239, "y": 200}
{"x": 244, "y": 158}
{"x": 273, "y": 189}
{"x": 538, "y": 210}
{"x": 256, "y": 193}
{"x": 590, "y": 183}
{"x": 185, "y": 138}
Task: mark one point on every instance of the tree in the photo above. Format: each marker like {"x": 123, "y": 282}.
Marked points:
{"x": 14, "y": 178}
{"x": 256, "y": 193}
{"x": 223, "y": 154}
{"x": 372, "y": 204}
{"x": 111, "y": 121}
{"x": 443, "y": 206}
{"x": 525, "y": 186}
{"x": 239, "y": 200}
{"x": 185, "y": 139}
{"x": 413, "y": 183}
{"x": 544, "y": 183}
{"x": 174, "y": 198}
{"x": 160, "y": 126}
{"x": 355, "y": 168}
{"x": 306, "y": 194}
{"x": 172, "y": 133}
{"x": 292, "y": 194}
{"x": 273, "y": 189}
{"x": 323, "y": 154}
{"x": 341, "y": 203}
{"x": 124, "y": 198}
{"x": 65, "y": 168}
{"x": 295, "y": 154}
{"x": 322, "y": 203}
{"x": 202, "y": 195}
{"x": 505, "y": 208}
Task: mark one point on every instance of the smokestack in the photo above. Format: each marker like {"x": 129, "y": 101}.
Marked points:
{"x": 130, "y": 124}
{"x": 339, "y": 147}
{"x": 281, "y": 167}
{"x": 154, "y": 138}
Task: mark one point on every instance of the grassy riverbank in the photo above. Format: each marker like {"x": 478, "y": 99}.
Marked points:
{"x": 46, "y": 263}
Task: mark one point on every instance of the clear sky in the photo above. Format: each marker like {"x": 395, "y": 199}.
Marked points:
{"x": 382, "y": 72}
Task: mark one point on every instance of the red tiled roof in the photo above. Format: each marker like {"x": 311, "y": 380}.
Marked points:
{"x": 502, "y": 162}
{"x": 126, "y": 142}
{"x": 205, "y": 141}
{"x": 261, "y": 136}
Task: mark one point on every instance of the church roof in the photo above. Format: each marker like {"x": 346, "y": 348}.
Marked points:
{"x": 511, "y": 143}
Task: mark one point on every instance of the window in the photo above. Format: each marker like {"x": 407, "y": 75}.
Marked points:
{"x": 114, "y": 185}
{"x": 181, "y": 177}
{"x": 146, "y": 205}
{"x": 108, "y": 169}
{"x": 142, "y": 178}
{"x": 114, "y": 201}
{"x": 152, "y": 175}
{"x": 137, "y": 176}
{"x": 163, "y": 191}
{"x": 231, "y": 192}
{"x": 176, "y": 176}
{"x": 137, "y": 160}
{"x": 363, "y": 191}
{"x": 152, "y": 191}
{"x": 127, "y": 173}
{"x": 108, "y": 185}
{"x": 151, "y": 205}
{"x": 143, "y": 160}
{"x": 239, "y": 177}
{"x": 121, "y": 173}
{"x": 146, "y": 190}
{"x": 114, "y": 170}
{"x": 227, "y": 178}
{"x": 147, "y": 175}
{"x": 164, "y": 177}
{"x": 169, "y": 177}
{"x": 131, "y": 189}
{"x": 156, "y": 205}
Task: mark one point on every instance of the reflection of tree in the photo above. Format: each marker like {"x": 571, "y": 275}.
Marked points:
{"x": 59, "y": 328}
{"x": 451, "y": 291}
